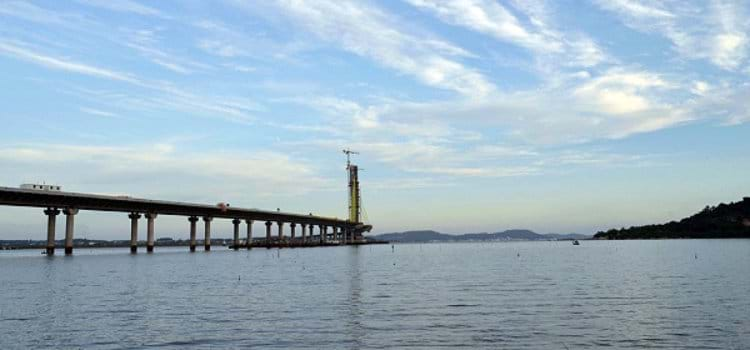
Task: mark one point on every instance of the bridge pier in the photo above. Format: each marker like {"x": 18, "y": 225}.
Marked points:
{"x": 322, "y": 234}
{"x": 304, "y": 228}
{"x": 281, "y": 232}
{"x": 268, "y": 234}
{"x": 193, "y": 220}
{"x": 249, "y": 233}
{"x": 236, "y": 243}
{"x": 70, "y": 214}
{"x": 207, "y": 233}
{"x": 51, "y": 217}
{"x": 134, "y": 232}
{"x": 150, "y": 232}
{"x": 291, "y": 232}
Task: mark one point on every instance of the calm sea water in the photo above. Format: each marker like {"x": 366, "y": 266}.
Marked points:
{"x": 538, "y": 295}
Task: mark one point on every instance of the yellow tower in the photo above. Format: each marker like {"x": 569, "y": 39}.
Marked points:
{"x": 354, "y": 201}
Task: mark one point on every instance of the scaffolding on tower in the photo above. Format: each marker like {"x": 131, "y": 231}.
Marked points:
{"x": 355, "y": 201}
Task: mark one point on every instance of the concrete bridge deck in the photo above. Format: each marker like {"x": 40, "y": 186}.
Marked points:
{"x": 70, "y": 203}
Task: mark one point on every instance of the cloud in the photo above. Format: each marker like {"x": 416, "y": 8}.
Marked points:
{"x": 65, "y": 65}
{"x": 97, "y": 112}
{"x": 613, "y": 104}
{"x": 369, "y": 32}
{"x": 234, "y": 109}
{"x": 150, "y": 168}
{"x": 724, "y": 101}
{"x": 620, "y": 92}
{"x": 535, "y": 34}
{"x": 125, "y": 6}
{"x": 227, "y": 41}
{"x": 716, "y": 31}
{"x": 240, "y": 67}
{"x": 638, "y": 9}
{"x": 149, "y": 45}
{"x": 27, "y": 11}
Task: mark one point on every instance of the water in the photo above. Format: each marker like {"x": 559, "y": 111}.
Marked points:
{"x": 536, "y": 295}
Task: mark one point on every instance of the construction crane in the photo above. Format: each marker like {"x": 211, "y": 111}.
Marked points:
{"x": 348, "y": 153}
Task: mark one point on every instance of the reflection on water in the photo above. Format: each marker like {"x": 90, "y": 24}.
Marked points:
{"x": 535, "y": 295}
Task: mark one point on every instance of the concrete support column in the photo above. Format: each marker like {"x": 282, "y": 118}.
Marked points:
{"x": 291, "y": 232}
{"x": 70, "y": 214}
{"x": 236, "y": 243}
{"x": 268, "y": 234}
{"x": 304, "y": 228}
{"x": 322, "y": 234}
{"x": 281, "y": 231}
{"x": 193, "y": 243}
{"x": 336, "y": 234}
{"x": 249, "y": 233}
{"x": 150, "y": 232}
{"x": 134, "y": 232}
{"x": 52, "y": 214}
{"x": 207, "y": 233}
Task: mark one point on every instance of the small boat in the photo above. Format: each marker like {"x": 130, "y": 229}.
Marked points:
{"x": 575, "y": 242}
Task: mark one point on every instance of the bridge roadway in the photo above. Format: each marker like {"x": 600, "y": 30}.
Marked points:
{"x": 69, "y": 203}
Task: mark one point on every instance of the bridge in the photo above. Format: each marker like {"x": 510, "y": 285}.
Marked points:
{"x": 70, "y": 203}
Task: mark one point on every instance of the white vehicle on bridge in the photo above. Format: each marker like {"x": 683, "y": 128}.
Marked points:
{"x": 42, "y": 187}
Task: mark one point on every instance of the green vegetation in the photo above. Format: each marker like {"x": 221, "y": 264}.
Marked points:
{"x": 722, "y": 221}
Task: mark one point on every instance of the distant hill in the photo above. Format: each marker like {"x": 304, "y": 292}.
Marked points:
{"x": 432, "y": 236}
{"x": 722, "y": 221}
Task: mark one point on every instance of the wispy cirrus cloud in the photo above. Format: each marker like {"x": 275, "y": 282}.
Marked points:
{"x": 370, "y": 32}
{"x": 534, "y": 33}
{"x": 234, "y": 109}
{"x": 149, "y": 45}
{"x": 29, "y": 55}
{"x": 28, "y": 11}
{"x": 97, "y": 112}
{"x": 715, "y": 30}
{"x": 125, "y": 6}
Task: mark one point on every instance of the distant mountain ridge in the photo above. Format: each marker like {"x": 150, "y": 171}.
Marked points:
{"x": 434, "y": 236}
{"x": 722, "y": 221}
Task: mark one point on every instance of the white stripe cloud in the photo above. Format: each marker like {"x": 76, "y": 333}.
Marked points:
{"x": 533, "y": 33}
{"x": 62, "y": 64}
{"x": 126, "y": 6}
{"x": 716, "y": 31}
{"x": 370, "y": 32}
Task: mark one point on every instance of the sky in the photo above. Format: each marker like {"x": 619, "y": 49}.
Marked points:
{"x": 469, "y": 115}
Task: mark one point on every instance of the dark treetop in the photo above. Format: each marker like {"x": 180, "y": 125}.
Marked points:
{"x": 722, "y": 221}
